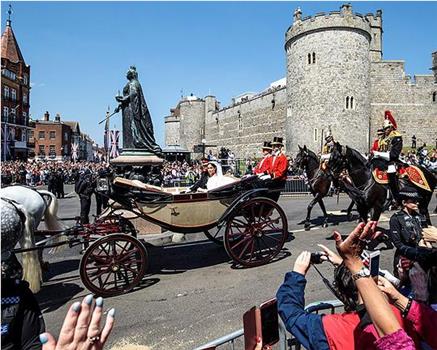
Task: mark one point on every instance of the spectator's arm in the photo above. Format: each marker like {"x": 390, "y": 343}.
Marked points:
{"x": 379, "y": 310}
{"x": 307, "y": 328}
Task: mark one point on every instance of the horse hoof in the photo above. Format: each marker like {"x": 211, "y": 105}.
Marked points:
{"x": 325, "y": 225}
{"x": 307, "y": 227}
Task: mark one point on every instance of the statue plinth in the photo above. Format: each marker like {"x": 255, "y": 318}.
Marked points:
{"x": 136, "y": 157}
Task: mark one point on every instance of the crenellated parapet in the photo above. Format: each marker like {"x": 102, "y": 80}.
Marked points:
{"x": 344, "y": 19}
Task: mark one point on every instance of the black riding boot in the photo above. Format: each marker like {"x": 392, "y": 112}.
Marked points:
{"x": 393, "y": 184}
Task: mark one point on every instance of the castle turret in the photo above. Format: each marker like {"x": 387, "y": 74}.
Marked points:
{"x": 192, "y": 122}
{"x": 376, "y": 32}
{"x": 328, "y": 65}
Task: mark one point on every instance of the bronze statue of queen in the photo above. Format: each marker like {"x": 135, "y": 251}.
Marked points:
{"x": 137, "y": 123}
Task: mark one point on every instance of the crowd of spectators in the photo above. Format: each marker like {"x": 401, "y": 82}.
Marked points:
{"x": 421, "y": 156}
{"x": 391, "y": 310}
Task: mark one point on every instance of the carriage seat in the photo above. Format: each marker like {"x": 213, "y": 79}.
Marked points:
{"x": 120, "y": 181}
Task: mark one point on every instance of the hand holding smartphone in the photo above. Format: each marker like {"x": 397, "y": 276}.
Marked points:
{"x": 261, "y": 323}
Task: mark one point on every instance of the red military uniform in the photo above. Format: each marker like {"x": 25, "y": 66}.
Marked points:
{"x": 264, "y": 166}
{"x": 375, "y": 145}
{"x": 279, "y": 167}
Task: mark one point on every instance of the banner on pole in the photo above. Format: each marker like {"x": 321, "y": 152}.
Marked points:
{"x": 75, "y": 151}
{"x": 114, "y": 136}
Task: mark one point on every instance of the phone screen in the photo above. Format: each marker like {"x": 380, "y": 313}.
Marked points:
{"x": 269, "y": 324}
{"x": 374, "y": 265}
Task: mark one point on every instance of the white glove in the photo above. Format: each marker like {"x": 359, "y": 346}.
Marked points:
{"x": 265, "y": 177}
{"x": 382, "y": 155}
{"x": 392, "y": 279}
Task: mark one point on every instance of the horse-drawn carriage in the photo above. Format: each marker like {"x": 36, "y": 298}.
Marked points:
{"x": 244, "y": 216}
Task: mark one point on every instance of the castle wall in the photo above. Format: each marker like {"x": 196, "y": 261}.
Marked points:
{"x": 345, "y": 51}
{"x": 192, "y": 117}
{"x": 317, "y": 91}
{"x": 172, "y": 130}
{"x": 243, "y": 127}
{"x": 409, "y": 100}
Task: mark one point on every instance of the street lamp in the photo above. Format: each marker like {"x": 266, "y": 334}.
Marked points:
{"x": 203, "y": 147}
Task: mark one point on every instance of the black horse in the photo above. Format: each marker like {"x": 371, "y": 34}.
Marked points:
{"x": 318, "y": 181}
{"x": 355, "y": 173}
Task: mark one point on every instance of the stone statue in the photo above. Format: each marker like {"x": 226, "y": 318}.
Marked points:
{"x": 137, "y": 123}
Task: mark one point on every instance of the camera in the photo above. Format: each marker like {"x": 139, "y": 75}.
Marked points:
{"x": 316, "y": 258}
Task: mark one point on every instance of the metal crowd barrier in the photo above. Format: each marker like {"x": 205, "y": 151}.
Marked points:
{"x": 296, "y": 186}
{"x": 286, "y": 341}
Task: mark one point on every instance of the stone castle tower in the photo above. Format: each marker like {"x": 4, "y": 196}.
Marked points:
{"x": 336, "y": 79}
{"x": 328, "y": 67}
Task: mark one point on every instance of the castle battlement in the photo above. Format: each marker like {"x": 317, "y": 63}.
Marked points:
{"x": 344, "y": 19}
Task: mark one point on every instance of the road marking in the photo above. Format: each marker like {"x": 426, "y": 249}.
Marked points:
{"x": 302, "y": 229}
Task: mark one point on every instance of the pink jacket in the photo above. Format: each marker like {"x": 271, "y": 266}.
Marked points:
{"x": 423, "y": 320}
{"x": 395, "y": 341}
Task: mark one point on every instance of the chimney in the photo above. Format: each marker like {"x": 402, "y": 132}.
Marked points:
{"x": 46, "y": 116}
{"x": 57, "y": 118}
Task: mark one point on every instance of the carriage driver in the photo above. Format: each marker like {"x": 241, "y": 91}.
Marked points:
{"x": 389, "y": 150}
{"x": 263, "y": 167}
{"x": 278, "y": 169}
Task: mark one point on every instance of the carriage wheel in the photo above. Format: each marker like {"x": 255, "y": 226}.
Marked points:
{"x": 113, "y": 265}
{"x": 215, "y": 235}
{"x": 256, "y": 233}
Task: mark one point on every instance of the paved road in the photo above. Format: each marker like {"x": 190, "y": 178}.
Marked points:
{"x": 192, "y": 294}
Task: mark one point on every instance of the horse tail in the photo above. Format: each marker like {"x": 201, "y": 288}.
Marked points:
{"x": 30, "y": 260}
{"x": 52, "y": 222}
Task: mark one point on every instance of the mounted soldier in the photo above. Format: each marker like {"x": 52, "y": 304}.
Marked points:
{"x": 389, "y": 150}
{"x": 327, "y": 149}
{"x": 381, "y": 136}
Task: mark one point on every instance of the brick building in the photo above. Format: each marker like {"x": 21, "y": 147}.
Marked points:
{"x": 15, "y": 90}
{"x": 52, "y": 138}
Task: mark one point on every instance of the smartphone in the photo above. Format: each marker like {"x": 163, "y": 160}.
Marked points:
{"x": 269, "y": 322}
{"x": 372, "y": 258}
{"x": 252, "y": 327}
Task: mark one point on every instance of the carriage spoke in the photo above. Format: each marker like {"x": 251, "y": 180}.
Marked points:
{"x": 242, "y": 241}
{"x": 244, "y": 249}
{"x": 275, "y": 239}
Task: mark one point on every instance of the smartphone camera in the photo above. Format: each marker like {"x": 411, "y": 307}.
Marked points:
{"x": 316, "y": 258}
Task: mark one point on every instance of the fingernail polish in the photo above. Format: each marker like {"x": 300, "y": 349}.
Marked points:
{"x": 43, "y": 338}
{"x": 111, "y": 313}
{"x": 99, "y": 302}
{"x": 88, "y": 299}
{"x": 76, "y": 306}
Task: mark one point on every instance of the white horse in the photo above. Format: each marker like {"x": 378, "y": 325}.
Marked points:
{"x": 36, "y": 207}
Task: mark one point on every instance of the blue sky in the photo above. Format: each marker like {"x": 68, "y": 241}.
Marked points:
{"x": 79, "y": 51}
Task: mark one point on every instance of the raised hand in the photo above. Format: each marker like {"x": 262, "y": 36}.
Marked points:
{"x": 330, "y": 255}
{"x": 81, "y": 328}
{"x": 302, "y": 263}
{"x": 350, "y": 249}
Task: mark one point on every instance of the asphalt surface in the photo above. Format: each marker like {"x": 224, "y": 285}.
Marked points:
{"x": 192, "y": 293}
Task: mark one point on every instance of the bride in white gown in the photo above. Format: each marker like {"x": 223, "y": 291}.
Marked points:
{"x": 216, "y": 178}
